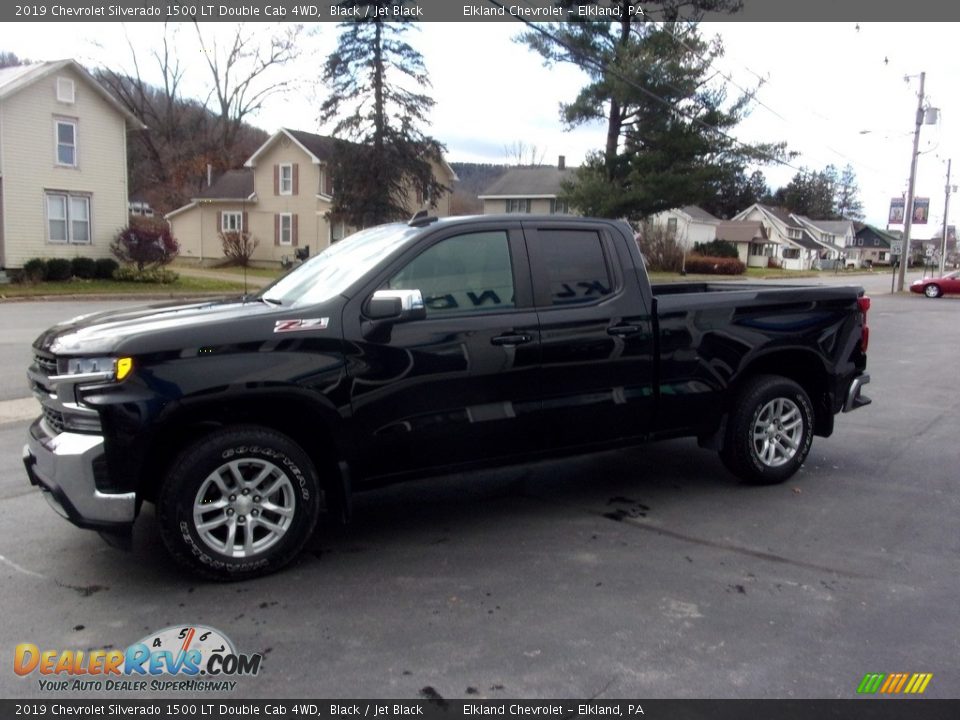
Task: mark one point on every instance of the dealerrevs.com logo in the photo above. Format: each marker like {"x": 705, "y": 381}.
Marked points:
{"x": 176, "y": 659}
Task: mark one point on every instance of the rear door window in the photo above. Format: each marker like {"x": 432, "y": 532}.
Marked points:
{"x": 575, "y": 266}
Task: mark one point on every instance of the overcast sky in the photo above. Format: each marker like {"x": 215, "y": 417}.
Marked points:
{"x": 834, "y": 91}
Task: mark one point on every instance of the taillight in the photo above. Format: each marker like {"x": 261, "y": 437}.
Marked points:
{"x": 863, "y": 302}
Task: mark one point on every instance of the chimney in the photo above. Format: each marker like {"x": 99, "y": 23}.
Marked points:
{"x": 562, "y": 162}
{"x": 209, "y": 174}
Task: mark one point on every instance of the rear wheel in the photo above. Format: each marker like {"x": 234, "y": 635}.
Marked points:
{"x": 769, "y": 431}
{"x": 240, "y": 503}
{"x": 932, "y": 291}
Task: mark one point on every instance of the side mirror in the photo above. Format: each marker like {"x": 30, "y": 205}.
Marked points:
{"x": 396, "y": 306}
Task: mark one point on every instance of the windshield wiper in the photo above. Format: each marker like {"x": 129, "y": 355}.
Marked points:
{"x": 270, "y": 301}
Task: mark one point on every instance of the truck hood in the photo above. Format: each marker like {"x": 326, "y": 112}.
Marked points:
{"x": 152, "y": 327}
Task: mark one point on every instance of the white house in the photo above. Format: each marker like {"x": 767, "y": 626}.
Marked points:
{"x": 833, "y": 235}
{"x": 689, "y": 225}
{"x": 750, "y": 238}
{"x": 795, "y": 248}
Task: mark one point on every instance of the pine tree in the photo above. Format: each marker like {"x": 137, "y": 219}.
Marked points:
{"x": 669, "y": 123}
{"x": 384, "y": 157}
{"x": 847, "y": 202}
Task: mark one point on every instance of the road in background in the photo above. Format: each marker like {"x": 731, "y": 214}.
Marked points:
{"x": 22, "y": 322}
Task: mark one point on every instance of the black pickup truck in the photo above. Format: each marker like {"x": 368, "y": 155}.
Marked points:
{"x": 419, "y": 348}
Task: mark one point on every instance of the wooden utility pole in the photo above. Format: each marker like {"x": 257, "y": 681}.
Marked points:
{"x": 908, "y": 209}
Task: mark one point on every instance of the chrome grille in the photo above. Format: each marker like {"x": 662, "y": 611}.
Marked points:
{"x": 48, "y": 366}
{"x": 54, "y": 419}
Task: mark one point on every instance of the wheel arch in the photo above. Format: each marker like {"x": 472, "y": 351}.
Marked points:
{"x": 308, "y": 424}
{"x": 805, "y": 368}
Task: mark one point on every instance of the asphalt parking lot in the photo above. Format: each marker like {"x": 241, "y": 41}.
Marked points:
{"x": 648, "y": 573}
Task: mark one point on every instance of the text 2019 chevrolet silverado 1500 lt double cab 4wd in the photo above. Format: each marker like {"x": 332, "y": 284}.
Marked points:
{"x": 415, "y": 348}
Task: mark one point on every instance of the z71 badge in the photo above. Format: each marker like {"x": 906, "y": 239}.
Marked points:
{"x": 302, "y": 324}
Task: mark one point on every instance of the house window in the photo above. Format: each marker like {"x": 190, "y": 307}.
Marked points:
{"x": 882, "y": 256}
{"x": 860, "y": 242}
{"x": 791, "y": 253}
{"x": 671, "y": 226}
{"x": 286, "y": 229}
{"x": 66, "y": 139}
{"x": 559, "y": 207}
{"x": 338, "y": 231}
{"x": 758, "y": 249}
{"x": 68, "y": 218}
{"x": 518, "y": 205}
{"x": 326, "y": 182}
{"x": 286, "y": 179}
{"x": 231, "y": 222}
{"x": 65, "y": 90}
{"x": 794, "y": 233}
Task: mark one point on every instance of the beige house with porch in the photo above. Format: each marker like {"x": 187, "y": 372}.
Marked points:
{"x": 282, "y": 197}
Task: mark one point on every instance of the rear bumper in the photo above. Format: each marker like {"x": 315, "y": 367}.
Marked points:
{"x": 855, "y": 397}
{"x": 62, "y": 466}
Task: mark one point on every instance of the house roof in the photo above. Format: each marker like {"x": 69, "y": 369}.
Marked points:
{"x": 859, "y": 227}
{"x": 834, "y": 227}
{"x": 231, "y": 185}
{"x": 741, "y": 231}
{"x": 319, "y": 147}
{"x": 15, "y": 79}
{"x": 781, "y": 214}
{"x": 806, "y": 240}
{"x": 528, "y": 182}
{"x": 699, "y": 214}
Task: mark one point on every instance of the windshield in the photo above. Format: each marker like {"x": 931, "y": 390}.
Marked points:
{"x": 339, "y": 266}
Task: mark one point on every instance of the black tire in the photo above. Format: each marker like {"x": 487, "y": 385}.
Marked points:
{"x": 769, "y": 405}
{"x": 932, "y": 291}
{"x": 270, "y": 519}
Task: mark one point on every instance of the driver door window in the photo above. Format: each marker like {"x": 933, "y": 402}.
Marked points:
{"x": 469, "y": 273}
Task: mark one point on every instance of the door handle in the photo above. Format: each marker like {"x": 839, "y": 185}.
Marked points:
{"x": 623, "y": 330}
{"x": 511, "y": 339}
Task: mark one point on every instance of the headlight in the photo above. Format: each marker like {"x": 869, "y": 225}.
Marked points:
{"x": 94, "y": 369}
{"x": 82, "y": 366}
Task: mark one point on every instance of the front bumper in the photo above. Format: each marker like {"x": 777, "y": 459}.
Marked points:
{"x": 63, "y": 467}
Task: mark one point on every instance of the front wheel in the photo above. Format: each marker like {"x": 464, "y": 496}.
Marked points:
{"x": 932, "y": 291}
{"x": 240, "y": 503}
{"x": 769, "y": 431}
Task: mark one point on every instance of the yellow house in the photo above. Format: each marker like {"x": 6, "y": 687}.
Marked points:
{"x": 63, "y": 163}
{"x": 281, "y": 197}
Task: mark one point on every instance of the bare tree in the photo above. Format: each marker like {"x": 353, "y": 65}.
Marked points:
{"x": 519, "y": 153}
{"x": 168, "y": 162}
{"x": 176, "y": 132}
{"x": 243, "y": 71}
